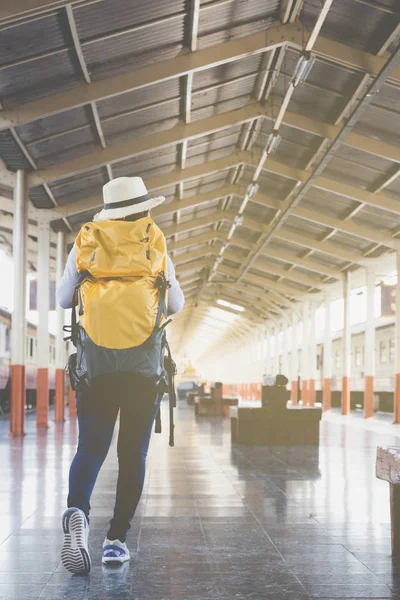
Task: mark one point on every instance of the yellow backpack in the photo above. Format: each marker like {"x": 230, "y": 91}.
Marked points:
{"x": 119, "y": 300}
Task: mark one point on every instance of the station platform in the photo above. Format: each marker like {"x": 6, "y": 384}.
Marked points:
{"x": 215, "y": 521}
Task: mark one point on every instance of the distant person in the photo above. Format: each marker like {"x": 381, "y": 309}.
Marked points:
{"x": 118, "y": 274}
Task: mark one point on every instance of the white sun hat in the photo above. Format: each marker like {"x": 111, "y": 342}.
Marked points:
{"x": 126, "y": 196}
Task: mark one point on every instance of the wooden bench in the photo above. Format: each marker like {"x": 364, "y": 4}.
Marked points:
{"x": 295, "y": 426}
{"x": 205, "y": 406}
{"x": 388, "y": 469}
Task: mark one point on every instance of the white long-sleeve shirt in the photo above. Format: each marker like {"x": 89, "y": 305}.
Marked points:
{"x": 66, "y": 289}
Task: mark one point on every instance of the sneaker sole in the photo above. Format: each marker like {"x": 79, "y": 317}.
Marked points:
{"x": 74, "y": 554}
{"x": 122, "y": 559}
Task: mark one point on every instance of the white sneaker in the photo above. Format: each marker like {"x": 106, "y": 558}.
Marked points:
{"x": 115, "y": 551}
{"x": 75, "y": 551}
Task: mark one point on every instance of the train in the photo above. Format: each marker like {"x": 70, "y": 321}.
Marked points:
{"x": 384, "y": 382}
{"x": 31, "y": 366}
{"x": 384, "y": 366}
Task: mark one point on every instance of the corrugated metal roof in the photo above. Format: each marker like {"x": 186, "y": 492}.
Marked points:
{"x": 40, "y": 198}
{"x": 42, "y": 77}
{"x": 226, "y": 72}
{"x": 358, "y": 25}
{"x": 331, "y": 204}
{"x": 71, "y": 189}
{"x": 11, "y": 153}
{"x": 137, "y": 123}
{"x": 219, "y": 108}
{"x": 53, "y": 151}
{"x": 103, "y": 18}
{"x": 32, "y": 38}
{"x": 138, "y": 99}
{"x": 381, "y": 124}
{"x": 54, "y": 125}
{"x": 350, "y": 172}
{"x": 231, "y": 19}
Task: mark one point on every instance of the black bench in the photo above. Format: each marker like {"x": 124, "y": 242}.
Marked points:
{"x": 295, "y": 426}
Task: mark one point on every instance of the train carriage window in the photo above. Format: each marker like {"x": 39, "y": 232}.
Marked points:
{"x": 8, "y": 339}
{"x": 383, "y": 355}
{"x": 392, "y": 350}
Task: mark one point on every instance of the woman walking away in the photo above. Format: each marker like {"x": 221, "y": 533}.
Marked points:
{"x": 120, "y": 278}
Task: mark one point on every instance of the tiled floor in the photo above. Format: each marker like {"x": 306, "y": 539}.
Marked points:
{"x": 214, "y": 522}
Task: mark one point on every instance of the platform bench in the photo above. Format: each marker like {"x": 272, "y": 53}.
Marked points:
{"x": 388, "y": 469}
{"x": 295, "y": 426}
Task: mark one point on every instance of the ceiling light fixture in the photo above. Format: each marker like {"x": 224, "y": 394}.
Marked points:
{"x": 303, "y": 68}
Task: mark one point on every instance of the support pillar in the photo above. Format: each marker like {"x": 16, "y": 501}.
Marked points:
{"x": 346, "y": 346}
{"x": 294, "y": 368}
{"x": 305, "y": 354}
{"x": 313, "y": 355}
{"x": 369, "y": 347}
{"x": 18, "y": 323}
{"x": 43, "y": 305}
{"x": 285, "y": 334}
{"x": 397, "y": 345}
{"x": 71, "y": 401}
{"x": 327, "y": 357}
{"x": 60, "y": 344}
{"x": 267, "y": 352}
{"x": 276, "y": 352}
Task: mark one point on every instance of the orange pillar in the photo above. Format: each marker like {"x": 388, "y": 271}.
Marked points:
{"x": 304, "y": 392}
{"x": 42, "y": 398}
{"x": 369, "y": 397}
{"x": 294, "y": 393}
{"x": 327, "y": 395}
{"x": 312, "y": 393}
{"x": 346, "y": 395}
{"x": 397, "y": 400}
{"x": 17, "y": 417}
{"x": 60, "y": 395}
{"x": 71, "y": 402}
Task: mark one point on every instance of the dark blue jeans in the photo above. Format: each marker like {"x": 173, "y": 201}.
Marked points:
{"x": 137, "y": 401}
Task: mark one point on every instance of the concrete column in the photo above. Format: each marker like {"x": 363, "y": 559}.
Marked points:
{"x": 43, "y": 305}
{"x": 397, "y": 346}
{"x": 327, "y": 359}
{"x": 312, "y": 374}
{"x": 294, "y": 363}
{"x": 60, "y": 344}
{"x": 305, "y": 354}
{"x": 276, "y": 351}
{"x": 285, "y": 334}
{"x": 369, "y": 347}
{"x": 346, "y": 360}
{"x": 267, "y": 352}
{"x": 18, "y": 323}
